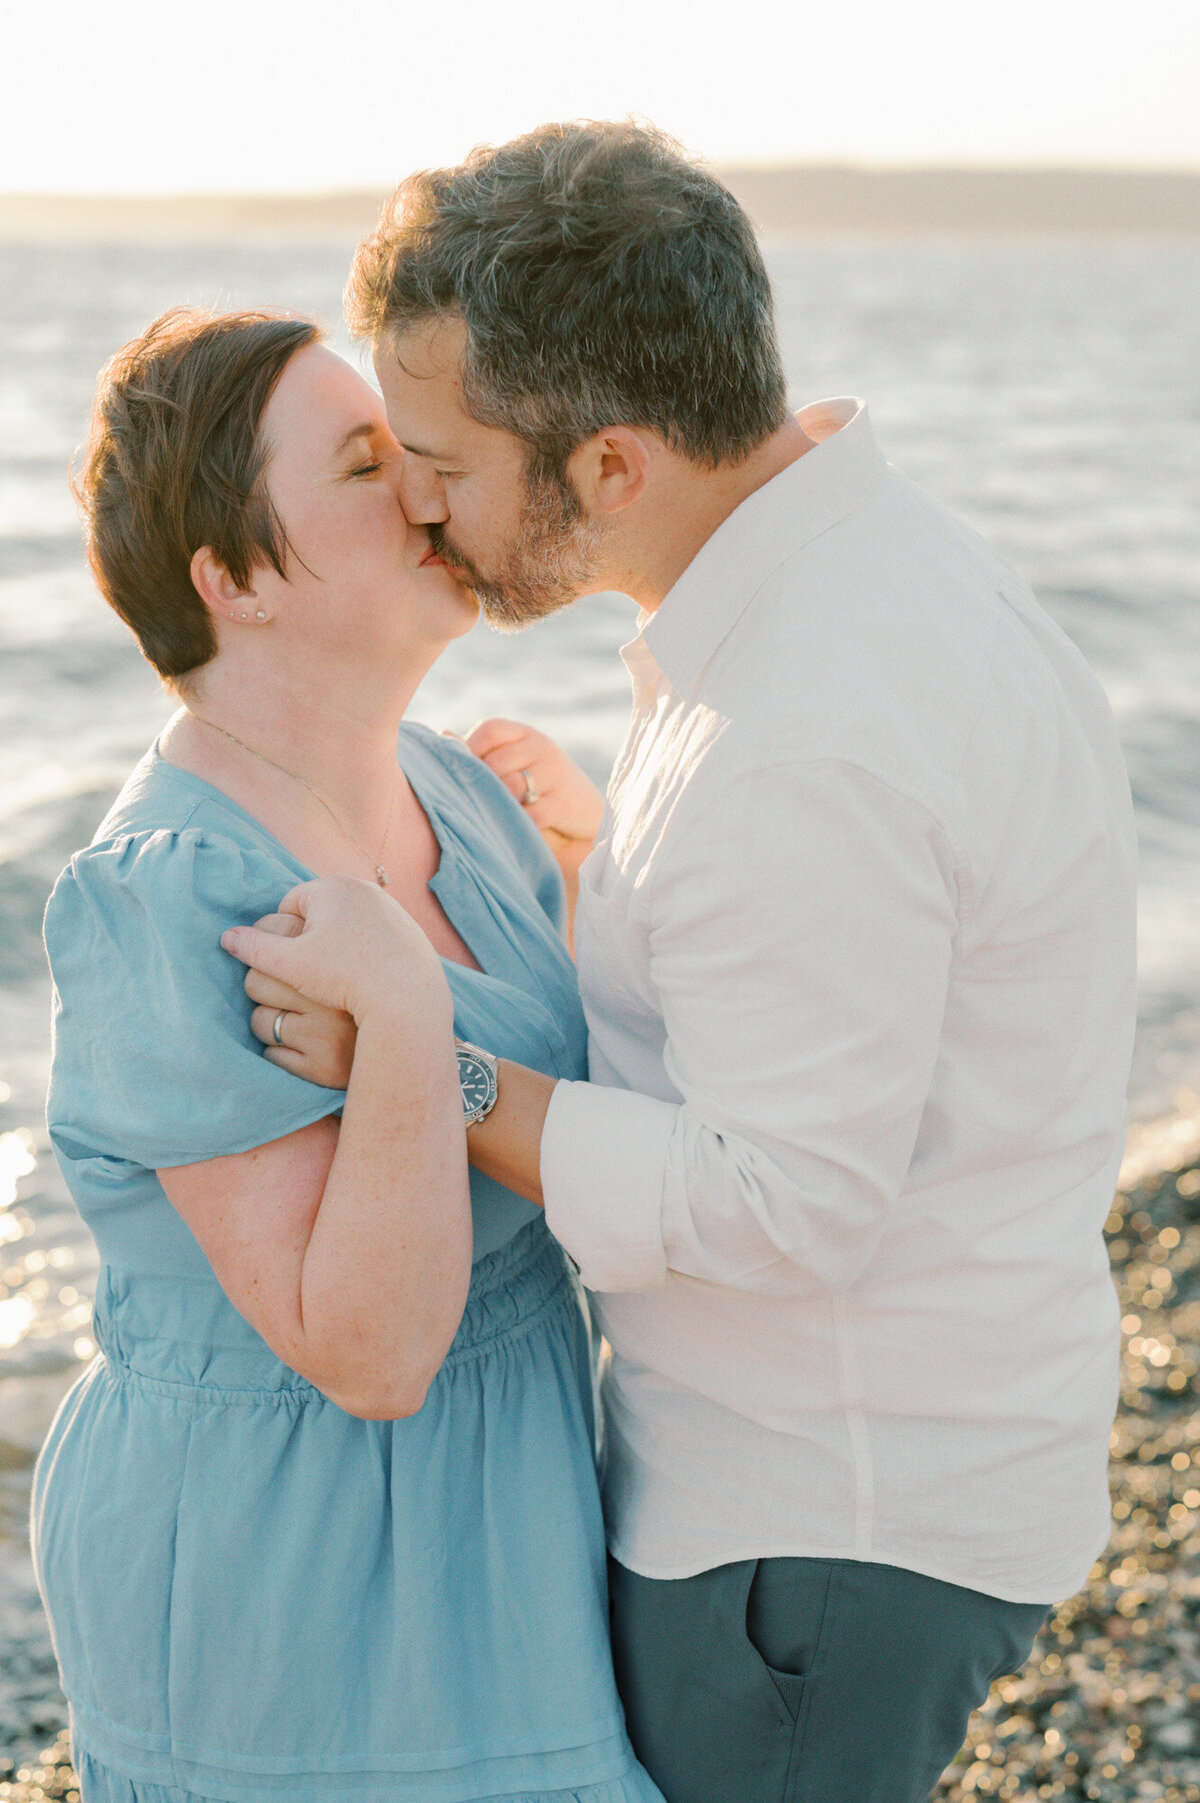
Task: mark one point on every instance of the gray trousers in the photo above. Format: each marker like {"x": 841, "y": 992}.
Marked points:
{"x": 806, "y": 1680}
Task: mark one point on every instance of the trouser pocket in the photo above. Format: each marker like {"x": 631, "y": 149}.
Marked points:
{"x": 785, "y": 1607}
{"x": 709, "y": 1717}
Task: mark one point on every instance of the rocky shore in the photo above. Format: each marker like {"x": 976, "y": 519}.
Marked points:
{"x": 1108, "y": 1709}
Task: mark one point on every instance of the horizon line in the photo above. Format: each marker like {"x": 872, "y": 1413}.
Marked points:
{"x": 787, "y": 200}
{"x": 964, "y": 165}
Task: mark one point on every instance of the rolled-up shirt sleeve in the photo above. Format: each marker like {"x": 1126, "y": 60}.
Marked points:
{"x": 800, "y": 933}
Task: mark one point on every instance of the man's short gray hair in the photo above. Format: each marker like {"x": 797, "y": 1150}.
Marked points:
{"x": 603, "y": 279}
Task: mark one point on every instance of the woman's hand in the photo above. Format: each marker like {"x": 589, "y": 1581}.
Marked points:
{"x": 346, "y": 946}
{"x": 568, "y": 807}
{"x": 314, "y": 1042}
{"x": 568, "y": 804}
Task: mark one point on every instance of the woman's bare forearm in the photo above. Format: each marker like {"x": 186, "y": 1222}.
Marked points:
{"x": 369, "y": 1257}
{"x": 347, "y": 1245}
{"x": 387, "y": 1265}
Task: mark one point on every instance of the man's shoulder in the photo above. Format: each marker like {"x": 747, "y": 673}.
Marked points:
{"x": 884, "y": 643}
{"x": 874, "y": 642}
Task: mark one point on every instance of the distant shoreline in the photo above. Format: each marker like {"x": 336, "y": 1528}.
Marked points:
{"x": 804, "y": 201}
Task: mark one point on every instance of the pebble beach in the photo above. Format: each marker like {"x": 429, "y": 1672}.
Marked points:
{"x": 1108, "y": 1709}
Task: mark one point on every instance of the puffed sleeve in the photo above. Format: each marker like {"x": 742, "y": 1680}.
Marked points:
{"x": 154, "y": 1061}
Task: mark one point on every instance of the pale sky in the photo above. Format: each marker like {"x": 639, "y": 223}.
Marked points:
{"x": 162, "y": 96}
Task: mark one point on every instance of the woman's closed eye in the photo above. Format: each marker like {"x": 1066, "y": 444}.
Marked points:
{"x": 367, "y": 469}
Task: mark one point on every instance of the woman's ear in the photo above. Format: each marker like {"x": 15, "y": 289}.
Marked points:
{"x": 218, "y": 590}
{"x": 611, "y": 469}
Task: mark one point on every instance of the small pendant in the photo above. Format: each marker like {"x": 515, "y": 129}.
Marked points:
{"x": 381, "y": 876}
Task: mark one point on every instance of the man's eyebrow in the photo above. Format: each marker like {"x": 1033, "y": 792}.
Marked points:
{"x": 420, "y": 450}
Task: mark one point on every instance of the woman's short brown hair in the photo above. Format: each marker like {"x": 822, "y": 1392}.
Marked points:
{"x": 174, "y": 462}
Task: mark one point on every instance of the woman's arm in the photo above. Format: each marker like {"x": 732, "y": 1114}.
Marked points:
{"x": 348, "y": 1248}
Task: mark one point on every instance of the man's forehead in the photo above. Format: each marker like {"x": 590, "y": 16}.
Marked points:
{"x": 429, "y": 351}
{"x": 418, "y": 372}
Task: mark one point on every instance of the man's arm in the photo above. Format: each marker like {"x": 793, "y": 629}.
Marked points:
{"x": 507, "y": 1143}
{"x": 801, "y": 938}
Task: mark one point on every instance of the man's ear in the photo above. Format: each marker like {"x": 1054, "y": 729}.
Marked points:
{"x": 217, "y": 588}
{"x": 611, "y": 470}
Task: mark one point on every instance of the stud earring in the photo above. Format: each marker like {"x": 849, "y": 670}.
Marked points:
{"x": 245, "y": 616}
{"x": 260, "y": 615}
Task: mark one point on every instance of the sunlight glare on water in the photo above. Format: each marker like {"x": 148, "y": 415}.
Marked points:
{"x": 16, "y": 1318}
{"x": 17, "y": 1160}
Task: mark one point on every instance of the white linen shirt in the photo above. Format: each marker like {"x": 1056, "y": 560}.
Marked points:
{"x": 856, "y": 945}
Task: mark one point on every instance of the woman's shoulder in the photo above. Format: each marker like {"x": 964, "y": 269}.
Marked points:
{"x": 440, "y": 756}
{"x": 459, "y": 782}
{"x": 508, "y": 852}
{"x": 154, "y": 1061}
{"x": 161, "y": 797}
{"x": 470, "y": 796}
{"x": 168, "y": 829}
{"x": 149, "y": 799}
{"x": 166, "y": 863}
{"x": 143, "y": 863}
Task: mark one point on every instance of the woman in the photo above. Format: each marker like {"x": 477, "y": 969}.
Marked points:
{"x": 321, "y": 1520}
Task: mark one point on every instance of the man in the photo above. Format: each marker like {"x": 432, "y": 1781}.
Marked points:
{"x": 856, "y": 947}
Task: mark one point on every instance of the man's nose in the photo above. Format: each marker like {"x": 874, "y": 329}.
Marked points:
{"x": 422, "y": 496}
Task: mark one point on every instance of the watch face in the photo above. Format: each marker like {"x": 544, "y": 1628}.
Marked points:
{"x": 475, "y": 1080}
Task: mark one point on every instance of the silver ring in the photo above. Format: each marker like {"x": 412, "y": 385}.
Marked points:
{"x": 531, "y": 794}
{"x": 276, "y": 1035}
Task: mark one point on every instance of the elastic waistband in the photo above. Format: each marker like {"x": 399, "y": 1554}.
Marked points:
{"x": 509, "y": 1286}
{"x": 180, "y": 1335}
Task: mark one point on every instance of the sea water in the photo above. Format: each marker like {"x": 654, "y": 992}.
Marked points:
{"x": 1047, "y": 392}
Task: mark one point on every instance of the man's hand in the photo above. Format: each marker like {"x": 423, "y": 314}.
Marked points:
{"x": 336, "y": 949}
{"x": 569, "y": 806}
{"x": 314, "y": 1042}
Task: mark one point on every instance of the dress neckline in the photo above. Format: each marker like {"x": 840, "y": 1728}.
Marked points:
{"x": 442, "y": 877}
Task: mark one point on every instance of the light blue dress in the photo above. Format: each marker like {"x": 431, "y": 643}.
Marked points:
{"x": 253, "y": 1594}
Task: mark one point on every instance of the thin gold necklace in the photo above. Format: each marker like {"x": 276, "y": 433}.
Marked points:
{"x": 381, "y": 875}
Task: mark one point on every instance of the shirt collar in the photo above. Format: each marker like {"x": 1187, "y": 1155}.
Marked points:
{"x": 782, "y": 516}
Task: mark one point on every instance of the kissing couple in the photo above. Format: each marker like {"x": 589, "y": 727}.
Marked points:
{"x": 818, "y": 1129}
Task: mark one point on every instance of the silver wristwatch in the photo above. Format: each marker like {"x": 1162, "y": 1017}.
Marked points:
{"x": 477, "y": 1078}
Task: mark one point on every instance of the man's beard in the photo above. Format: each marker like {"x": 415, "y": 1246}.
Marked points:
{"x": 549, "y": 564}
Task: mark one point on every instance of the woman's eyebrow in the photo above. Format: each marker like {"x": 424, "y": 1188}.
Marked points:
{"x": 364, "y": 431}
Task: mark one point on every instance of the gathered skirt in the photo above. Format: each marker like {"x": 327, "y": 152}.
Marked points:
{"x": 257, "y": 1596}
{"x": 99, "y": 1785}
